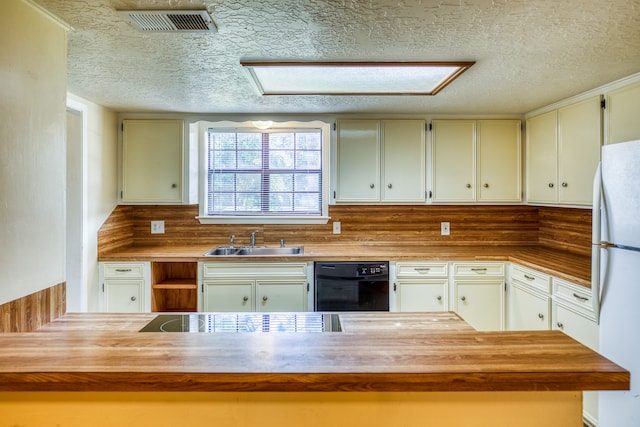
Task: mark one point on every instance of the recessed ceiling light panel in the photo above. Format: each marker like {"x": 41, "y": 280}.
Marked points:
{"x": 353, "y": 78}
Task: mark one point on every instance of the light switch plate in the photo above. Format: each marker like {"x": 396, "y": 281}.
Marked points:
{"x": 336, "y": 227}
{"x": 157, "y": 227}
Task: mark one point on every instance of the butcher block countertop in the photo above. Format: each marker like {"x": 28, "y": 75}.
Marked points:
{"x": 374, "y": 352}
{"x": 562, "y": 264}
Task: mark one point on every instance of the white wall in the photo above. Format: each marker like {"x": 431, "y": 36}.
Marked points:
{"x": 101, "y": 167}
{"x": 32, "y": 150}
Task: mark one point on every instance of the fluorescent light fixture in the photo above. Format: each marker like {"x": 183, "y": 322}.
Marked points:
{"x": 353, "y": 78}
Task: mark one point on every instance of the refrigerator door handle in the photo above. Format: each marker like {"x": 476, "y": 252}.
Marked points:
{"x": 597, "y": 243}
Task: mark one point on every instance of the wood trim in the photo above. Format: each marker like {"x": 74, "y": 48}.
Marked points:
{"x": 29, "y": 313}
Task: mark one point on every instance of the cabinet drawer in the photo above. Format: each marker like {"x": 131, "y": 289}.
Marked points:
{"x": 124, "y": 270}
{"x": 254, "y": 269}
{"x": 531, "y": 277}
{"x": 421, "y": 269}
{"x": 578, "y": 297}
{"x": 493, "y": 269}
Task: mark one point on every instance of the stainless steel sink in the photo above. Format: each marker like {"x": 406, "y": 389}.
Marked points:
{"x": 256, "y": 251}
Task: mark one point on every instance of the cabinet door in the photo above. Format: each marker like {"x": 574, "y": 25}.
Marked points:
{"x": 281, "y": 296}
{"x": 425, "y": 295}
{"x": 584, "y": 330}
{"x": 152, "y": 153}
{"x": 404, "y": 160}
{"x": 358, "y": 161}
{"x": 528, "y": 310}
{"x": 124, "y": 296}
{"x": 579, "y": 142}
{"x": 499, "y": 160}
{"x": 623, "y": 106}
{"x": 228, "y": 295}
{"x": 454, "y": 160}
{"x": 480, "y": 303}
{"x": 542, "y": 158}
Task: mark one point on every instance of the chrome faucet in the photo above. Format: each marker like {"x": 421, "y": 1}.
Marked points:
{"x": 232, "y": 239}
{"x": 252, "y": 241}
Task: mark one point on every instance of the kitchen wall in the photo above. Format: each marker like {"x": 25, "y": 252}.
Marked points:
{"x": 32, "y": 151}
{"x": 100, "y": 191}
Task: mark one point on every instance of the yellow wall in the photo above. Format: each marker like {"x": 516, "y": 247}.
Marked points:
{"x": 32, "y": 150}
{"x": 313, "y": 409}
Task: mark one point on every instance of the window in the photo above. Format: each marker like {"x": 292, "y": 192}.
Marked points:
{"x": 260, "y": 175}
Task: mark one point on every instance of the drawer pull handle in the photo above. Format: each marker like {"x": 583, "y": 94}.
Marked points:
{"x": 422, "y": 269}
{"x": 463, "y": 298}
{"x": 479, "y": 270}
{"x": 560, "y": 325}
{"x": 264, "y": 298}
{"x": 133, "y": 298}
{"x": 526, "y": 276}
{"x": 371, "y": 185}
{"x": 245, "y": 299}
{"x": 439, "y": 298}
{"x": 123, "y": 270}
{"x": 580, "y": 297}
{"x": 540, "y": 316}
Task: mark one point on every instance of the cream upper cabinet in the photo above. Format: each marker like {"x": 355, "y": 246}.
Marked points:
{"x": 381, "y": 161}
{"x": 563, "y": 151}
{"x": 358, "y": 161}
{"x": 404, "y": 159}
{"x": 542, "y": 157}
{"x": 622, "y": 110}
{"x": 476, "y": 161}
{"x": 499, "y": 160}
{"x": 454, "y": 160}
{"x": 152, "y": 160}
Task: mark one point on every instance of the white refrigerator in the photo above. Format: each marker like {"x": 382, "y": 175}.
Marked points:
{"x": 616, "y": 275}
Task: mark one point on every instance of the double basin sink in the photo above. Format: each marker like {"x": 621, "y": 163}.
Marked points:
{"x": 255, "y": 251}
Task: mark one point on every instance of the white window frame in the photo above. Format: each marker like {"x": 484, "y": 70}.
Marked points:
{"x": 323, "y": 218}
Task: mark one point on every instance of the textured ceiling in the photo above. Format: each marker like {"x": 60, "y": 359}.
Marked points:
{"x": 528, "y": 53}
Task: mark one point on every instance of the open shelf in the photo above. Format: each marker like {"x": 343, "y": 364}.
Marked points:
{"x": 174, "y": 286}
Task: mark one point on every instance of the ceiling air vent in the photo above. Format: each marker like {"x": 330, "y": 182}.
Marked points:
{"x": 169, "y": 20}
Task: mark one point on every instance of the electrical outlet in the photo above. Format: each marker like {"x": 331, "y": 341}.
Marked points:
{"x": 336, "y": 227}
{"x": 157, "y": 227}
{"x": 445, "y": 228}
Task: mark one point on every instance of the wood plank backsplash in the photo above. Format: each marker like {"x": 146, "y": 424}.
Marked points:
{"x": 566, "y": 229}
{"x": 414, "y": 224}
{"x": 33, "y": 311}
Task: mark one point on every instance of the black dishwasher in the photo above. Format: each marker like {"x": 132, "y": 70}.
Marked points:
{"x": 352, "y": 286}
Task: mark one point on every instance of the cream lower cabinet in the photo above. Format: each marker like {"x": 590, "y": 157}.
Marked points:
{"x": 528, "y": 300}
{"x": 125, "y": 287}
{"x": 573, "y": 314}
{"x": 261, "y": 287}
{"x": 478, "y": 291}
{"x": 421, "y": 286}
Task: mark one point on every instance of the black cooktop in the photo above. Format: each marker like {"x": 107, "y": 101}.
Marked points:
{"x": 245, "y": 322}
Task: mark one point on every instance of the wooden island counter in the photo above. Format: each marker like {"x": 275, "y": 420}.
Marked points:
{"x": 383, "y": 369}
